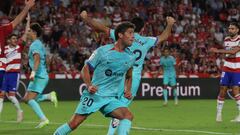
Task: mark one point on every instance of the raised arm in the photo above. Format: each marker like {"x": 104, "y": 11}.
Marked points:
{"x": 28, "y": 5}
{"x": 167, "y": 32}
{"x": 128, "y": 84}
{"x": 233, "y": 51}
{"x": 24, "y": 37}
{"x": 96, "y": 25}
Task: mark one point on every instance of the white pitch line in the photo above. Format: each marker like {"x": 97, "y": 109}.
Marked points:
{"x": 136, "y": 128}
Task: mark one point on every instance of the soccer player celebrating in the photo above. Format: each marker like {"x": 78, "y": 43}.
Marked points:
{"x": 5, "y": 30}
{"x": 39, "y": 76}
{"x": 112, "y": 64}
{"x": 140, "y": 47}
{"x": 168, "y": 63}
{"x": 231, "y": 69}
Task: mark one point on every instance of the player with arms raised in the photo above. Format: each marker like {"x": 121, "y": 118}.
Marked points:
{"x": 140, "y": 47}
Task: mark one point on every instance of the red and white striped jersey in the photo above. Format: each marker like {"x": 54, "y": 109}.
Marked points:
{"x": 2, "y": 62}
{"x": 13, "y": 58}
{"x": 232, "y": 62}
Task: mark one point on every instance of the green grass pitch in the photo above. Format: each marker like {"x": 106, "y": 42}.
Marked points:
{"x": 190, "y": 117}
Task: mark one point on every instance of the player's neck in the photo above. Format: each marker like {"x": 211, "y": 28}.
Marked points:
{"x": 12, "y": 46}
{"x": 234, "y": 37}
{"x": 119, "y": 46}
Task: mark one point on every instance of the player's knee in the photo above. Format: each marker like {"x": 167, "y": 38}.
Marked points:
{"x": 1, "y": 94}
{"x": 13, "y": 94}
{"x": 128, "y": 115}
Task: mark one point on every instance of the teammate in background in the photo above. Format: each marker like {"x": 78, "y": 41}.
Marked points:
{"x": 5, "y": 30}
{"x": 140, "y": 47}
{"x": 230, "y": 72}
{"x": 12, "y": 53}
{"x": 39, "y": 76}
{"x": 168, "y": 63}
{"x": 111, "y": 63}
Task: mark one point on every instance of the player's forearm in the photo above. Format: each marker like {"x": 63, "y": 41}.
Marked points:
{"x": 165, "y": 34}
{"x": 227, "y": 51}
{"x": 21, "y": 16}
{"x": 96, "y": 25}
{"x": 85, "y": 74}
{"x": 24, "y": 37}
{"x": 36, "y": 62}
{"x": 128, "y": 83}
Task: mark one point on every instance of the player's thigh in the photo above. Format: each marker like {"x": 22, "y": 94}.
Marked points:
{"x": 1, "y": 78}
{"x": 235, "y": 79}
{"x": 90, "y": 103}
{"x": 125, "y": 101}
{"x": 223, "y": 91}
{"x": 38, "y": 85}
{"x": 121, "y": 113}
{"x": 116, "y": 107}
{"x": 12, "y": 82}
{"x": 30, "y": 95}
{"x": 225, "y": 79}
{"x": 172, "y": 81}
{"x": 166, "y": 80}
{"x": 235, "y": 90}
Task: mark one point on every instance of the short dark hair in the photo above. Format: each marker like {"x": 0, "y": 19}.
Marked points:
{"x": 235, "y": 23}
{"x": 121, "y": 28}
{"x": 37, "y": 28}
{"x": 12, "y": 35}
{"x": 138, "y": 22}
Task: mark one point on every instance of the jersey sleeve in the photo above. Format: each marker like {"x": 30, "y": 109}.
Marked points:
{"x": 35, "y": 49}
{"x": 7, "y": 29}
{"x": 112, "y": 35}
{"x": 151, "y": 41}
{"x": 161, "y": 62}
{"x": 94, "y": 59}
{"x": 174, "y": 61}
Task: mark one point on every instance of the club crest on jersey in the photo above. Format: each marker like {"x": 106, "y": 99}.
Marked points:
{"x": 109, "y": 73}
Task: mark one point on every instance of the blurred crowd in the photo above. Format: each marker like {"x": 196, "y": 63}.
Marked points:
{"x": 200, "y": 25}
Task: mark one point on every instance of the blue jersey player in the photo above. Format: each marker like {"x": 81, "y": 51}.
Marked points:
{"x": 111, "y": 64}
{"x": 39, "y": 76}
{"x": 140, "y": 47}
{"x": 168, "y": 62}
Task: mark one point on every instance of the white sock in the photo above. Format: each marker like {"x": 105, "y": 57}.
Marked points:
{"x": 15, "y": 102}
{"x": 219, "y": 106}
{"x": 1, "y": 104}
{"x": 238, "y": 105}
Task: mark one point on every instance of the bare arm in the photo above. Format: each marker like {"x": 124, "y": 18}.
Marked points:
{"x": 128, "y": 84}
{"x": 28, "y": 5}
{"x": 24, "y": 37}
{"x": 167, "y": 32}
{"x": 36, "y": 58}
{"x": 85, "y": 73}
{"x": 233, "y": 51}
{"x": 96, "y": 25}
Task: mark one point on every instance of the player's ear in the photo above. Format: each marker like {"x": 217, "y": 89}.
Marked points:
{"x": 120, "y": 35}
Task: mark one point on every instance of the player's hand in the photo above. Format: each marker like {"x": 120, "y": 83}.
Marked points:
{"x": 32, "y": 75}
{"x": 84, "y": 14}
{"x": 29, "y": 3}
{"x": 127, "y": 94}
{"x": 214, "y": 50}
{"x": 92, "y": 89}
{"x": 170, "y": 20}
{"x": 28, "y": 17}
